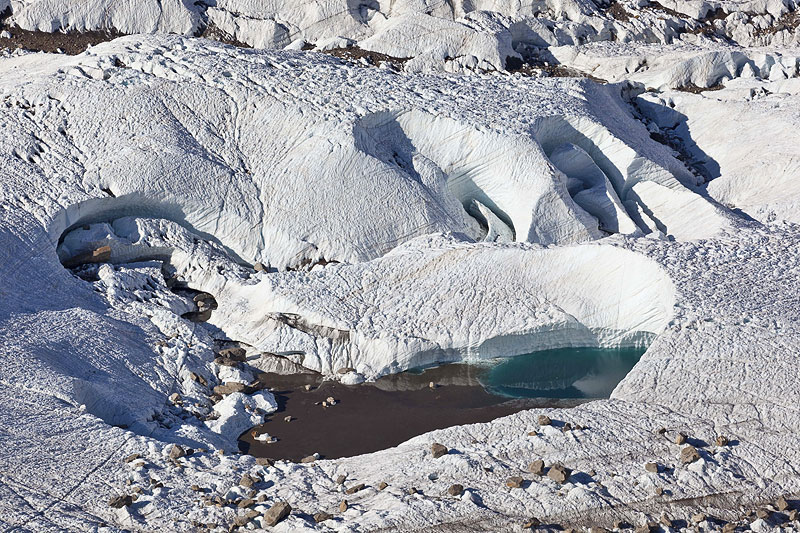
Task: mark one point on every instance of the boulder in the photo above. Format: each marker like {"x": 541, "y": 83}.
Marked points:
{"x": 276, "y": 513}
{"x": 438, "y": 450}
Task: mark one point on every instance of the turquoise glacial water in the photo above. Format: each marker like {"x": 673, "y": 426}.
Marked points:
{"x": 561, "y": 373}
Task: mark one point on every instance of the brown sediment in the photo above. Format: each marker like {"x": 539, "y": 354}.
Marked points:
{"x": 72, "y": 42}
{"x": 375, "y": 416}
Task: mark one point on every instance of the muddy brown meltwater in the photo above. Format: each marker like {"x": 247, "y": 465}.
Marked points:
{"x": 376, "y": 416}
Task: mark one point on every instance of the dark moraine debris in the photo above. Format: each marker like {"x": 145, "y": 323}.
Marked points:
{"x": 438, "y": 450}
{"x": 455, "y": 490}
{"x": 558, "y": 473}
{"x": 120, "y": 501}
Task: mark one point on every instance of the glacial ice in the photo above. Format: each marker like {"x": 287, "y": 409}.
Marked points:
{"x": 404, "y": 215}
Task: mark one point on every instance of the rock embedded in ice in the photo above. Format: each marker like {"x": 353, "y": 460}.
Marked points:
{"x": 558, "y": 473}
{"x": 455, "y": 490}
{"x": 515, "y": 482}
{"x": 276, "y": 513}
{"x": 536, "y": 467}
{"x": 438, "y": 450}
{"x": 689, "y": 454}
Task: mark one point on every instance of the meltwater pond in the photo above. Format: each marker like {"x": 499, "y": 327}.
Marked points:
{"x": 561, "y": 373}
{"x": 395, "y": 408}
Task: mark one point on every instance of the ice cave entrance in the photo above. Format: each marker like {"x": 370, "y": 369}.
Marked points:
{"x": 563, "y": 373}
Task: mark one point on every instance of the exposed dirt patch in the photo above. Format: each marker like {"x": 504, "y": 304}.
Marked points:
{"x": 71, "y": 43}
{"x": 618, "y": 12}
{"x": 214, "y": 33}
{"x": 788, "y": 21}
{"x": 358, "y": 56}
{"x": 694, "y": 89}
{"x": 533, "y": 67}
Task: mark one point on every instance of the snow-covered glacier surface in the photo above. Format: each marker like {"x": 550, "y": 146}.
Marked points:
{"x": 346, "y": 215}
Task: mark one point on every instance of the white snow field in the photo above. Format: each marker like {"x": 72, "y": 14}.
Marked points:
{"x": 378, "y": 216}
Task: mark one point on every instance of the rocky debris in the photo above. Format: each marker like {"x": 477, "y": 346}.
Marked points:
{"x": 247, "y": 502}
{"x": 645, "y": 528}
{"x": 382, "y": 485}
{"x": 659, "y": 491}
{"x": 532, "y": 523}
{"x": 198, "y": 378}
{"x": 455, "y": 490}
{"x": 782, "y": 504}
{"x": 515, "y": 482}
{"x": 288, "y": 418}
{"x": 558, "y": 473}
{"x": 598, "y": 529}
{"x": 689, "y": 455}
{"x": 544, "y": 420}
{"x": 566, "y": 427}
{"x": 177, "y": 452}
{"x": 175, "y": 398}
{"x": 224, "y": 361}
{"x": 234, "y": 354}
{"x": 680, "y": 438}
{"x": 730, "y": 527}
{"x": 276, "y": 513}
{"x": 343, "y": 506}
{"x": 665, "y": 521}
{"x": 259, "y": 267}
{"x": 438, "y": 450}
{"x": 330, "y": 400}
{"x": 413, "y": 490}
{"x": 248, "y": 481}
{"x": 651, "y": 467}
{"x": 432, "y": 385}
{"x": 722, "y": 440}
{"x": 321, "y": 517}
{"x": 132, "y": 457}
{"x": 309, "y": 459}
{"x": 698, "y": 518}
{"x": 229, "y": 388}
{"x": 263, "y": 461}
{"x": 120, "y": 501}
{"x": 794, "y": 515}
{"x": 308, "y": 387}
{"x": 241, "y": 520}
{"x": 533, "y": 433}
{"x": 536, "y": 467}
{"x": 345, "y": 370}
{"x": 341, "y": 479}
{"x": 355, "y": 488}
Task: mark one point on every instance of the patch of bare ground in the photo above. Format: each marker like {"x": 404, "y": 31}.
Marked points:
{"x": 354, "y": 54}
{"x": 538, "y": 68}
{"x": 694, "y": 89}
{"x": 214, "y": 33}
{"x": 619, "y": 13}
{"x": 71, "y": 43}
{"x": 788, "y": 21}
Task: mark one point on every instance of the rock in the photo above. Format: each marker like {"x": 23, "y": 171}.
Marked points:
{"x": 455, "y": 490}
{"x": 598, "y": 529}
{"x": 233, "y": 354}
{"x": 176, "y": 452}
{"x": 722, "y": 440}
{"x": 651, "y": 467}
{"x": 355, "y": 488}
{"x": 288, "y": 418}
{"x": 782, "y": 504}
{"x": 412, "y": 490}
{"x": 224, "y": 361}
{"x": 730, "y": 527}
{"x": 247, "y": 481}
{"x": 175, "y": 398}
{"x": 532, "y": 523}
{"x": 558, "y": 473}
{"x": 345, "y": 370}
{"x": 276, "y": 513}
{"x": 118, "y": 502}
{"x": 259, "y": 267}
{"x": 432, "y": 385}
{"x": 321, "y": 517}
{"x": 544, "y": 420}
{"x": 661, "y": 431}
{"x": 132, "y": 457}
{"x": 330, "y": 400}
{"x": 763, "y": 514}
{"x": 341, "y": 479}
{"x": 241, "y": 520}
{"x": 698, "y": 518}
{"x": 382, "y": 485}
{"x": 536, "y": 467}
{"x": 515, "y": 482}
{"x": 308, "y": 387}
{"x": 680, "y": 438}
{"x": 438, "y": 450}
{"x": 343, "y": 506}
{"x": 665, "y": 521}
{"x": 230, "y": 388}
{"x": 566, "y": 427}
{"x": 247, "y": 502}
{"x": 794, "y": 515}
{"x": 645, "y": 528}
{"x": 309, "y": 459}
{"x": 689, "y": 455}
{"x": 659, "y": 491}
{"x": 263, "y": 461}
{"x": 533, "y": 433}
